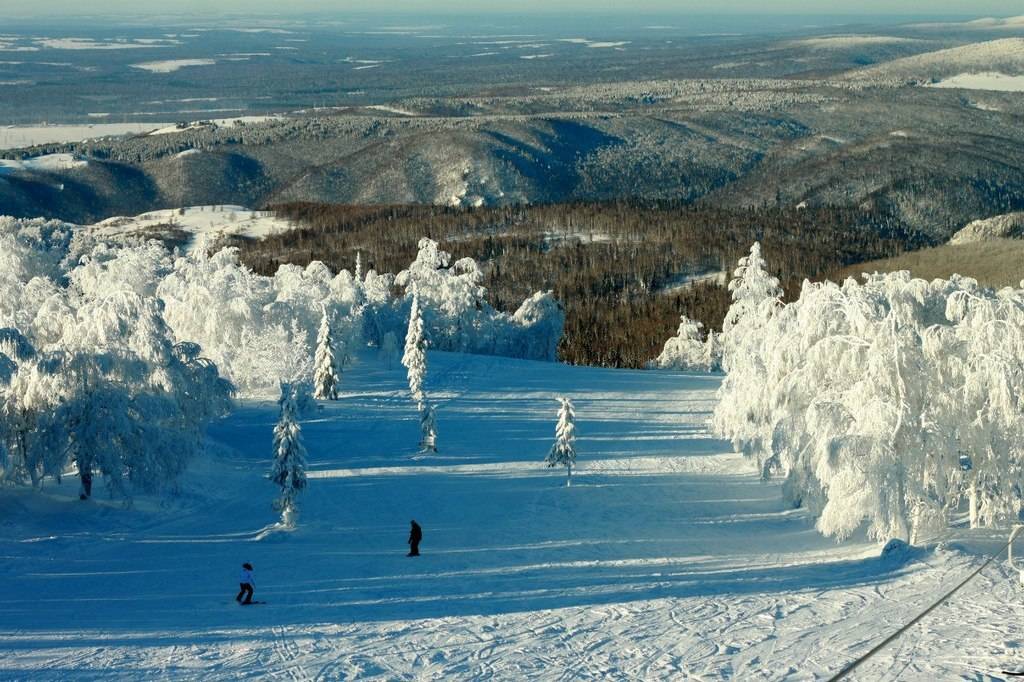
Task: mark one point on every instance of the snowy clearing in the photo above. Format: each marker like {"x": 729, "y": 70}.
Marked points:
{"x": 598, "y": 44}
{"x": 667, "y": 559}
{"x": 172, "y": 65}
{"x": 215, "y": 122}
{"x": 15, "y": 137}
{"x": 209, "y": 222}
{"x": 90, "y": 44}
{"x": 47, "y": 162}
{"x": 850, "y": 41}
{"x": 991, "y": 80}
{"x": 392, "y": 109}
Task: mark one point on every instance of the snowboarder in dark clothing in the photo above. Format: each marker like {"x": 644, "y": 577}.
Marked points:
{"x": 415, "y": 535}
{"x": 246, "y": 582}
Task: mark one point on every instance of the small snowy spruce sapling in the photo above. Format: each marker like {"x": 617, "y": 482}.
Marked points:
{"x": 415, "y": 357}
{"x": 359, "y": 266}
{"x": 289, "y": 467}
{"x": 428, "y": 429}
{"x": 325, "y": 378}
{"x": 563, "y": 451}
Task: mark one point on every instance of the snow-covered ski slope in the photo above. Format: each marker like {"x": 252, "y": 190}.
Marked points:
{"x": 666, "y": 559}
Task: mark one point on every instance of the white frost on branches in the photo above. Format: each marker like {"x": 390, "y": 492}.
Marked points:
{"x": 563, "y": 451}
{"x": 415, "y": 358}
{"x": 894, "y": 402}
{"x": 325, "y": 378}
{"x": 289, "y": 466}
{"x": 688, "y": 351}
{"x": 428, "y": 429}
{"x": 457, "y": 317}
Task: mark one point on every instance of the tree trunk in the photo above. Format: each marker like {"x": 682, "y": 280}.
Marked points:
{"x": 568, "y": 478}
{"x": 973, "y": 501}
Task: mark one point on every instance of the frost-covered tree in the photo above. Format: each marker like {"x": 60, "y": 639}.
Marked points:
{"x": 889, "y": 404}
{"x": 428, "y": 429}
{"x": 563, "y": 451}
{"x": 359, "y": 267}
{"x": 688, "y": 351}
{"x": 415, "y": 357}
{"x": 457, "y": 317}
{"x": 288, "y": 470}
{"x": 756, "y": 295}
{"x": 756, "y": 299}
{"x": 325, "y": 378}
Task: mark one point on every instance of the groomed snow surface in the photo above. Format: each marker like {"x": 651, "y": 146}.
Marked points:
{"x": 666, "y": 559}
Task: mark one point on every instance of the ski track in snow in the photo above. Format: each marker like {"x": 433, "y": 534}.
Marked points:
{"x": 667, "y": 559}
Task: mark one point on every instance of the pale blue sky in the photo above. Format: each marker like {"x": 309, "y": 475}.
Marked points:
{"x": 55, "y": 8}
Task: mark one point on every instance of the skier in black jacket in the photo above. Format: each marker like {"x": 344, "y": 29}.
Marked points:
{"x": 415, "y": 535}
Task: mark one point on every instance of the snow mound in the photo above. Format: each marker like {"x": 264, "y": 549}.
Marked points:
{"x": 47, "y": 162}
{"x": 1007, "y": 226}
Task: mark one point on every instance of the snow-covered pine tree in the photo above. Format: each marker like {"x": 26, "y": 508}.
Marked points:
{"x": 289, "y": 467}
{"x": 325, "y": 377}
{"x": 359, "y": 266}
{"x": 428, "y": 429}
{"x": 415, "y": 357}
{"x": 755, "y": 295}
{"x": 563, "y": 451}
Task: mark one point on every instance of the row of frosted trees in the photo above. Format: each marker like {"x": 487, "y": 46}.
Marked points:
{"x": 892, "y": 400}
{"x": 92, "y": 380}
{"x": 114, "y": 357}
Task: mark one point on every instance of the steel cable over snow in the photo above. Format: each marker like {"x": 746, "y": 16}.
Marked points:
{"x": 885, "y": 642}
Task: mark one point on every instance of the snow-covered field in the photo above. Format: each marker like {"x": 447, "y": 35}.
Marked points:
{"x": 216, "y": 123}
{"x": 172, "y": 65}
{"x": 47, "y": 162}
{"x": 14, "y": 137}
{"x": 990, "y": 80}
{"x": 194, "y": 221}
{"x": 667, "y": 559}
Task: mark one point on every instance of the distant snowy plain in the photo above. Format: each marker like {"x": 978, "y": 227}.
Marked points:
{"x": 666, "y": 559}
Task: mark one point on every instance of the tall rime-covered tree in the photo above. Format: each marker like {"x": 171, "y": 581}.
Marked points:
{"x": 415, "y": 357}
{"x": 325, "y": 377}
{"x": 289, "y": 466}
{"x": 755, "y": 295}
{"x": 563, "y": 451}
